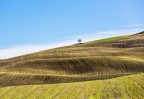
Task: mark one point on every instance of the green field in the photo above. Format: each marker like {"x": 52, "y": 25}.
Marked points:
{"x": 111, "y": 68}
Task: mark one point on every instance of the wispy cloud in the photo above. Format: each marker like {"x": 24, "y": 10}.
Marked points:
{"x": 136, "y": 25}
{"x": 26, "y": 49}
{"x": 106, "y": 34}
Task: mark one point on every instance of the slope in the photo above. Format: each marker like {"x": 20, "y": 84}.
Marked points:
{"x": 81, "y": 62}
{"x": 127, "y": 87}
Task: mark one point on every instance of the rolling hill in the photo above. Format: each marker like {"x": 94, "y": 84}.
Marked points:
{"x": 111, "y": 68}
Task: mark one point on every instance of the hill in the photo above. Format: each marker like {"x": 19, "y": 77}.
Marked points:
{"x": 111, "y": 67}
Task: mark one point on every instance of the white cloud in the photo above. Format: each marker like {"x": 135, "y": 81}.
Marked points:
{"x": 135, "y": 25}
{"x": 106, "y": 34}
{"x": 26, "y": 49}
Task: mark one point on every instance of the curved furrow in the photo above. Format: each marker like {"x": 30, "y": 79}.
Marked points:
{"x": 79, "y": 65}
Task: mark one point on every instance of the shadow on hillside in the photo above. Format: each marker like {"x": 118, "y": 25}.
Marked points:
{"x": 38, "y": 80}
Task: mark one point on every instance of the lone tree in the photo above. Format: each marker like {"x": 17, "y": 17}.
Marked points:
{"x": 79, "y": 41}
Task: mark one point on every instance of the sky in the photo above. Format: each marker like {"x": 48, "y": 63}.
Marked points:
{"x": 28, "y": 26}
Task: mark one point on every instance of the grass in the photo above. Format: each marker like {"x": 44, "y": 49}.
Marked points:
{"x": 109, "y": 69}
{"x": 127, "y": 87}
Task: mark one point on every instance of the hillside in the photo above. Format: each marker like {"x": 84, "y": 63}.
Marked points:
{"x": 107, "y": 68}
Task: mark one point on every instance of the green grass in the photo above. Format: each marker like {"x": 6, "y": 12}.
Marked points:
{"x": 128, "y": 87}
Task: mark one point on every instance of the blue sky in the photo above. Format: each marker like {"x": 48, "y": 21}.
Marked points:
{"x": 47, "y": 22}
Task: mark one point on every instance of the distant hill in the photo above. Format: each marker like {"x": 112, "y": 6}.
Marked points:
{"x": 141, "y": 32}
{"x": 105, "y": 62}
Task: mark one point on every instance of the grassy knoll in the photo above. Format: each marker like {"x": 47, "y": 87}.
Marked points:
{"x": 111, "y": 68}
